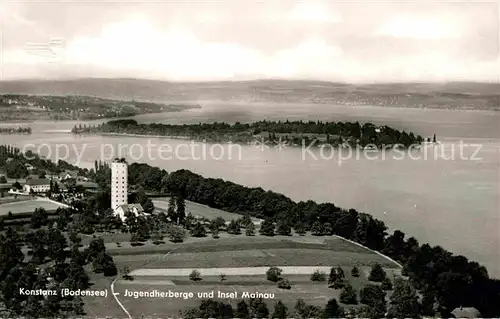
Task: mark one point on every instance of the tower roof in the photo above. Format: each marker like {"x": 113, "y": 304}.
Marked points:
{"x": 120, "y": 160}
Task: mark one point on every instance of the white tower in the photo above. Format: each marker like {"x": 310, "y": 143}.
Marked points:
{"x": 119, "y": 186}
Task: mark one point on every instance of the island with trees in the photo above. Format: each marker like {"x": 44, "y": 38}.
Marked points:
{"x": 269, "y": 132}
{"x": 17, "y": 107}
{"x": 46, "y": 251}
{"x": 15, "y": 130}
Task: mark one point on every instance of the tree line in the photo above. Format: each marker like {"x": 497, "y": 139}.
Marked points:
{"x": 441, "y": 277}
{"x": 15, "y": 130}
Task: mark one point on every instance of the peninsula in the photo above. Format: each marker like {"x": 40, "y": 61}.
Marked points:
{"x": 17, "y": 107}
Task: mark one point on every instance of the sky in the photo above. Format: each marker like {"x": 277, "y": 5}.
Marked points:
{"x": 212, "y": 40}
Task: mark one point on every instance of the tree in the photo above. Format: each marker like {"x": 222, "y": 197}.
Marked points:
{"x": 283, "y": 229}
{"x": 234, "y": 228}
{"x": 41, "y": 174}
{"x": 318, "y": 276}
{"x": 103, "y": 263}
{"x": 274, "y": 274}
{"x": 250, "y": 229}
{"x": 172, "y": 210}
{"x": 355, "y": 271}
{"x": 17, "y": 185}
{"x": 181, "y": 209}
{"x": 305, "y": 311}
{"x": 284, "y": 283}
{"x": 267, "y": 228}
{"x": 148, "y": 206}
{"x": 332, "y": 277}
{"x": 258, "y": 308}
{"x": 371, "y": 294}
{"x": 198, "y": 230}
{"x": 39, "y": 218}
{"x": 242, "y": 310}
{"x": 215, "y": 309}
{"x": 332, "y": 309}
{"x": 219, "y": 223}
{"x": 338, "y": 283}
{"x": 16, "y": 169}
{"x": 404, "y": 301}
{"x": 317, "y": 229}
{"x": 280, "y": 311}
{"x": 195, "y": 275}
{"x": 348, "y": 295}
{"x": 328, "y": 229}
{"x": 246, "y": 220}
{"x": 176, "y": 233}
{"x": 376, "y": 311}
{"x": 215, "y": 233}
{"x": 377, "y": 274}
{"x": 300, "y": 229}
{"x": 340, "y": 272}
{"x": 386, "y": 284}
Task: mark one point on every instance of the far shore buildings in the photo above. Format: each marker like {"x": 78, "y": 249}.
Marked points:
{"x": 40, "y": 185}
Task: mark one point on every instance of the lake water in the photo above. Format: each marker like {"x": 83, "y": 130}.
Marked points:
{"x": 450, "y": 202}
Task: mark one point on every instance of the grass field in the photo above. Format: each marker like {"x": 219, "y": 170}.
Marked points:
{"x": 316, "y": 293}
{"x": 26, "y": 206}
{"x": 12, "y": 199}
{"x": 153, "y": 269}
{"x": 202, "y": 210}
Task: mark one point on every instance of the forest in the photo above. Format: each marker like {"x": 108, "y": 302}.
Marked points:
{"x": 293, "y": 132}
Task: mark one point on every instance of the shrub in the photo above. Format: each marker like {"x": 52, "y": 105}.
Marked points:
{"x": 195, "y": 275}
{"x": 386, "y": 284}
{"x": 318, "y": 276}
{"x": 198, "y": 230}
{"x": 267, "y": 228}
{"x": 377, "y": 274}
{"x": 348, "y": 296}
{"x": 338, "y": 283}
{"x": 355, "y": 271}
{"x": 284, "y": 284}
{"x": 274, "y": 274}
{"x": 250, "y": 229}
{"x": 300, "y": 229}
{"x": 176, "y": 233}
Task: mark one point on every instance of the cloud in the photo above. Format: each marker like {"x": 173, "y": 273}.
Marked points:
{"x": 138, "y": 46}
{"x": 405, "y": 26}
{"x": 313, "y": 12}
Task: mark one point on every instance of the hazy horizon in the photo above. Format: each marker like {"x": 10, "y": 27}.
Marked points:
{"x": 319, "y": 40}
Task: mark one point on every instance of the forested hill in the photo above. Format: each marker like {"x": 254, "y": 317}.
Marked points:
{"x": 293, "y": 132}
{"x": 452, "y": 95}
{"x": 443, "y": 279}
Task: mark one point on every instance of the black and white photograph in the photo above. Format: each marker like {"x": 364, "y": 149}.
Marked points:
{"x": 249, "y": 159}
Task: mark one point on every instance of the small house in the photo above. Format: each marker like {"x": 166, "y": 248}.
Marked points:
{"x": 126, "y": 209}
{"x": 68, "y": 175}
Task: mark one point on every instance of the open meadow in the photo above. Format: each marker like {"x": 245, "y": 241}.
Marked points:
{"x": 244, "y": 261}
{"x": 202, "y": 210}
{"x": 27, "y": 206}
